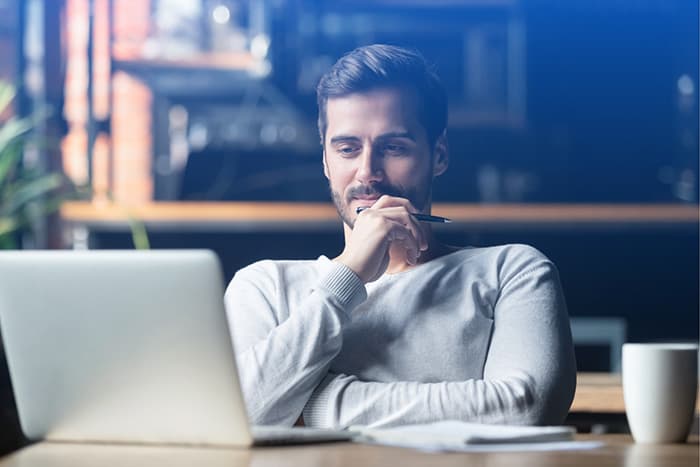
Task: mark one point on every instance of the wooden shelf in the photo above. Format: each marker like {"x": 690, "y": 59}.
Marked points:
{"x": 212, "y": 61}
{"x": 249, "y": 216}
{"x": 204, "y": 74}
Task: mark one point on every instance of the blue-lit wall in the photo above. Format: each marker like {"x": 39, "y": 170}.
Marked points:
{"x": 583, "y": 101}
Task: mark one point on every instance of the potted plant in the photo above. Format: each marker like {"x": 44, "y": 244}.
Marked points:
{"x": 25, "y": 193}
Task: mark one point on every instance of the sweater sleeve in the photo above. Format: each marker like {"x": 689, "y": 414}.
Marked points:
{"x": 280, "y": 363}
{"x": 529, "y": 375}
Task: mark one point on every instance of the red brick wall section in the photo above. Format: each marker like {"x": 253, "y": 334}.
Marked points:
{"x": 74, "y": 144}
{"x": 130, "y": 143}
{"x": 131, "y": 140}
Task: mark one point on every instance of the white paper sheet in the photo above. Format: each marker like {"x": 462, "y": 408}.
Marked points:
{"x": 474, "y": 437}
{"x": 515, "y": 447}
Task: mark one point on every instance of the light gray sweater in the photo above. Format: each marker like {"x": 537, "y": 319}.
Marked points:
{"x": 479, "y": 335}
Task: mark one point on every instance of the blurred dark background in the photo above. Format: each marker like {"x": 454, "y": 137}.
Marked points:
{"x": 578, "y": 102}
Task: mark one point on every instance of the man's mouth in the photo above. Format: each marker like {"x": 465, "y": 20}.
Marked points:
{"x": 367, "y": 197}
{"x": 365, "y": 201}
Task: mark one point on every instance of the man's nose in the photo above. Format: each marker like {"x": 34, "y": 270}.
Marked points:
{"x": 371, "y": 168}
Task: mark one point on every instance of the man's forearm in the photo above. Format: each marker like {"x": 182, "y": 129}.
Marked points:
{"x": 277, "y": 381}
{"x": 341, "y": 401}
{"x": 280, "y": 365}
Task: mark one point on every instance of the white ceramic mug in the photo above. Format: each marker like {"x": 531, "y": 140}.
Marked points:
{"x": 660, "y": 384}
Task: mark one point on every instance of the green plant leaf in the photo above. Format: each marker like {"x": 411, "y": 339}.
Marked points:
{"x": 7, "y": 242}
{"x": 139, "y": 235}
{"x": 9, "y": 158}
{"x": 31, "y": 190}
{"x": 22, "y": 219}
{"x": 7, "y": 225}
{"x": 13, "y": 129}
{"x": 7, "y": 93}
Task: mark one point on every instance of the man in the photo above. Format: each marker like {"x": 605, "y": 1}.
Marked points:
{"x": 398, "y": 328}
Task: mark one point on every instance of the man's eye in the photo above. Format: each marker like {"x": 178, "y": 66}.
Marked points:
{"x": 346, "y": 150}
{"x": 394, "y": 149}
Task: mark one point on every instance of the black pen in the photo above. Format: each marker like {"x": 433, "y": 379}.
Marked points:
{"x": 420, "y": 217}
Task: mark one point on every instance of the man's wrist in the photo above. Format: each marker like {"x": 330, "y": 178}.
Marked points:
{"x": 349, "y": 264}
{"x": 344, "y": 284}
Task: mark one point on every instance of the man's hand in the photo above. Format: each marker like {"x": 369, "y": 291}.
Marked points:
{"x": 388, "y": 222}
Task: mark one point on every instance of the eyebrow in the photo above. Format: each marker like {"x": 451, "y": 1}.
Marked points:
{"x": 343, "y": 139}
{"x": 384, "y": 136}
{"x": 397, "y": 134}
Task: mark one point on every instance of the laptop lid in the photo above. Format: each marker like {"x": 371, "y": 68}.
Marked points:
{"x": 121, "y": 346}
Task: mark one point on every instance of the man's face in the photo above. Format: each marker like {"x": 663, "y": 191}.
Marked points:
{"x": 375, "y": 145}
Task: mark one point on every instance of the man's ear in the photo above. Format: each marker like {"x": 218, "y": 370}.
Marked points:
{"x": 442, "y": 155}
{"x": 325, "y": 166}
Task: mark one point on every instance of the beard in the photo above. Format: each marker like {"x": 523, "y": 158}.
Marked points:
{"x": 419, "y": 196}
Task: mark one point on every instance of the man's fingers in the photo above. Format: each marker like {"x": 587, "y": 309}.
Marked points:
{"x": 399, "y": 233}
{"x": 386, "y": 201}
{"x": 400, "y": 215}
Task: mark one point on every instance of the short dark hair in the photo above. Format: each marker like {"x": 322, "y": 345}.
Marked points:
{"x": 376, "y": 66}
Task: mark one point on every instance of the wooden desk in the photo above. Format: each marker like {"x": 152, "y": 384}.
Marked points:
{"x": 601, "y": 393}
{"x": 598, "y": 393}
{"x": 618, "y": 451}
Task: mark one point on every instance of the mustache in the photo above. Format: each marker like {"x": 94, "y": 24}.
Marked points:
{"x": 377, "y": 189}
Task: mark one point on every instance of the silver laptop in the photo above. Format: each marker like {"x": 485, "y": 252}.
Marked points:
{"x": 126, "y": 346}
